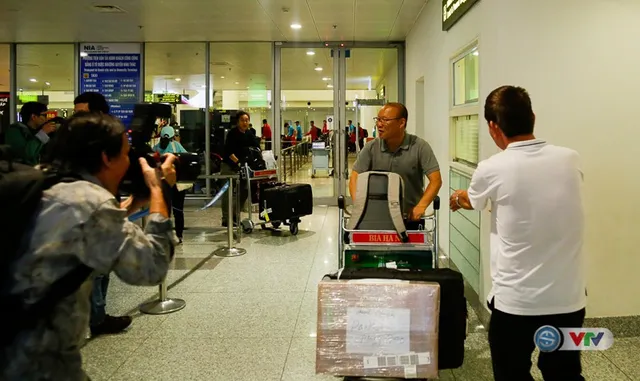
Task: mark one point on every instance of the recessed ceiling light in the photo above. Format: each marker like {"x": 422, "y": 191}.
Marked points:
{"x": 33, "y": 80}
{"x": 247, "y": 87}
{"x": 222, "y": 77}
{"x": 330, "y": 86}
{"x": 326, "y": 79}
{"x": 296, "y": 26}
{"x": 178, "y": 79}
{"x": 311, "y": 53}
{"x": 48, "y": 83}
{"x": 237, "y": 83}
{"x": 318, "y": 69}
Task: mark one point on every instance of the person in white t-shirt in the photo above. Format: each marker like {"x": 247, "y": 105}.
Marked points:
{"x": 537, "y": 227}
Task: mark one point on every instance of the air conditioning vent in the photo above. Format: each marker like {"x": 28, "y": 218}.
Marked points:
{"x": 107, "y": 9}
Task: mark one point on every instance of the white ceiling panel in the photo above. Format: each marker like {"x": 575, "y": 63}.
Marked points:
{"x": 213, "y": 20}
{"x": 227, "y": 21}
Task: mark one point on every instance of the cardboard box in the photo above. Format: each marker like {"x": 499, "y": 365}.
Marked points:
{"x": 378, "y": 328}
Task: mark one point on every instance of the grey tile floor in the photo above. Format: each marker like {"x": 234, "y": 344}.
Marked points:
{"x": 253, "y": 317}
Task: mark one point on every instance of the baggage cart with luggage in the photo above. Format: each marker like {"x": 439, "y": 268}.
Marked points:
{"x": 278, "y": 203}
{"x": 378, "y": 244}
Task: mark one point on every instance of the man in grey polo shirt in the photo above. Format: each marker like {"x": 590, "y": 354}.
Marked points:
{"x": 399, "y": 152}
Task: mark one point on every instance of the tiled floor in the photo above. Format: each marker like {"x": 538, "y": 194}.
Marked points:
{"x": 253, "y": 317}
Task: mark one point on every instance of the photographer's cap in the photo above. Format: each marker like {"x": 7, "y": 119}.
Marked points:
{"x": 167, "y": 132}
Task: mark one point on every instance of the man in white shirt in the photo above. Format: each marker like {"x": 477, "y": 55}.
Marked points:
{"x": 537, "y": 227}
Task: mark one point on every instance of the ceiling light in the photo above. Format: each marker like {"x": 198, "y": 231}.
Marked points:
{"x": 318, "y": 69}
{"x": 48, "y": 83}
{"x": 204, "y": 86}
{"x": 247, "y": 87}
{"x": 311, "y": 53}
{"x": 178, "y": 79}
{"x": 326, "y": 79}
{"x": 237, "y": 83}
{"x": 33, "y": 80}
{"x": 296, "y": 26}
{"x": 330, "y": 86}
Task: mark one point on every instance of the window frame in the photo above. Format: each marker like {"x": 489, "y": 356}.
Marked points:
{"x": 467, "y": 109}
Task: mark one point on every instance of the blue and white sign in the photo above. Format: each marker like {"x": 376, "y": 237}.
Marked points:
{"x": 114, "y": 71}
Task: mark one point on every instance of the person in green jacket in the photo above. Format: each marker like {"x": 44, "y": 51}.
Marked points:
{"x": 27, "y": 138}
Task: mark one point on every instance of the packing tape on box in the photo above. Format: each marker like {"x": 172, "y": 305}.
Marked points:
{"x": 411, "y": 371}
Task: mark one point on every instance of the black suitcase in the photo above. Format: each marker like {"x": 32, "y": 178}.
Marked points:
{"x": 284, "y": 202}
{"x": 453, "y": 305}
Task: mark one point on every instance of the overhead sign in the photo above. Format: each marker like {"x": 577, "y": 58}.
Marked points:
{"x": 370, "y": 102}
{"x": 453, "y": 10}
{"x": 171, "y": 98}
{"x": 112, "y": 70}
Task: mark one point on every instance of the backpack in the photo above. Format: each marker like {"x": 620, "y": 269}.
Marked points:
{"x": 378, "y": 203}
{"x": 254, "y": 159}
{"x": 21, "y": 190}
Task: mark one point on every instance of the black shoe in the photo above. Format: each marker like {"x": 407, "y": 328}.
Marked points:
{"x": 111, "y": 325}
{"x": 224, "y": 224}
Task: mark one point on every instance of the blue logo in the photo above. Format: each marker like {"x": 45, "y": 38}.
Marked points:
{"x": 547, "y": 338}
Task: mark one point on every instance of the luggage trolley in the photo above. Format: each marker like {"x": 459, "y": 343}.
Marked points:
{"x": 262, "y": 175}
{"x": 383, "y": 248}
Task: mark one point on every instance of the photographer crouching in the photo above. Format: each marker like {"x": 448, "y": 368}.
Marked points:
{"x": 80, "y": 229}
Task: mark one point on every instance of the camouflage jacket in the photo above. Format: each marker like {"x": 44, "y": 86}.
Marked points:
{"x": 79, "y": 223}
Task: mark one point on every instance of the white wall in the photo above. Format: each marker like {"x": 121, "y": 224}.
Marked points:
{"x": 390, "y": 82}
{"x": 580, "y": 61}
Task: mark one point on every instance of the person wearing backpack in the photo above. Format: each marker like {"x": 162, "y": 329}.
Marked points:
{"x": 71, "y": 229}
{"x": 168, "y": 144}
{"x": 28, "y": 137}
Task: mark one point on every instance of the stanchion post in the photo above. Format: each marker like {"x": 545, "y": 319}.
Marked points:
{"x": 230, "y": 250}
{"x": 163, "y": 305}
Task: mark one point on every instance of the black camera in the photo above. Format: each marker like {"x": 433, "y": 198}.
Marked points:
{"x": 142, "y": 128}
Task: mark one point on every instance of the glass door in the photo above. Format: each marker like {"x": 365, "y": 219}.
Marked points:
{"x": 306, "y": 119}
{"x": 337, "y": 89}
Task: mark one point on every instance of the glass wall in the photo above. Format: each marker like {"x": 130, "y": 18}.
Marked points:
{"x": 45, "y": 73}
{"x": 5, "y": 62}
{"x": 241, "y": 80}
{"x": 175, "y": 75}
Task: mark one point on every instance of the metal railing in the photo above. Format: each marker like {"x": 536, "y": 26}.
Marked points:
{"x": 294, "y": 157}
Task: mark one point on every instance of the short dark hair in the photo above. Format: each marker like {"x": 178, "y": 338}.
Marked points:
{"x": 82, "y": 140}
{"x": 264, "y": 121}
{"x": 97, "y": 102}
{"x": 402, "y": 109}
{"x": 241, "y": 113}
{"x": 31, "y": 108}
{"x": 510, "y": 108}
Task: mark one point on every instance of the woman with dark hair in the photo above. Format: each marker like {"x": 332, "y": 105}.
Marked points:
{"x": 168, "y": 144}
{"x": 236, "y": 147}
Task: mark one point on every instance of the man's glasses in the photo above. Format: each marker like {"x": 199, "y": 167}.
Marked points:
{"x": 384, "y": 120}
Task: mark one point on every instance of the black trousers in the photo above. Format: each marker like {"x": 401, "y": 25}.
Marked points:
{"x": 177, "y": 204}
{"x": 511, "y": 340}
